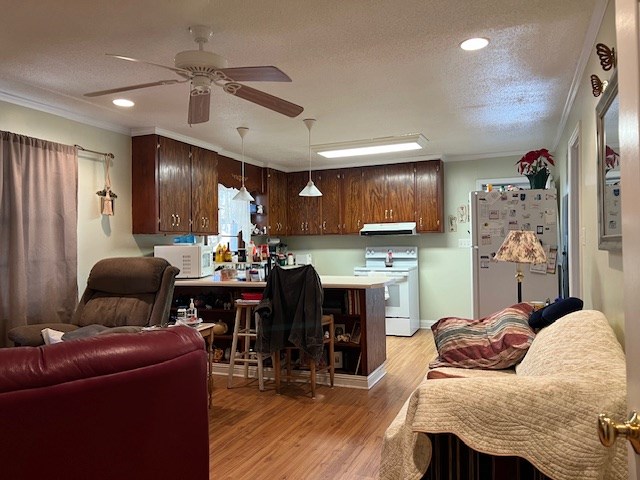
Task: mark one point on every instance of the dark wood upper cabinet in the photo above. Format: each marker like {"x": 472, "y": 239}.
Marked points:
{"x": 352, "y": 200}
{"x": 274, "y": 203}
{"x": 401, "y": 192}
{"x": 163, "y": 193}
{"x": 430, "y": 196}
{"x": 389, "y": 193}
{"x": 330, "y": 184}
{"x": 296, "y": 207}
{"x": 204, "y": 191}
{"x": 230, "y": 175}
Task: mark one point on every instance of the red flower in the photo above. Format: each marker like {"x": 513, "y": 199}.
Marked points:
{"x": 611, "y": 158}
{"x": 535, "y": 160}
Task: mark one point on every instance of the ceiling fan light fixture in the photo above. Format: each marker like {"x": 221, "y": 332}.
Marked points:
{"x": 477, "y": 43}
{"x": 123, "y": 102}
{"x": 243, "y": 194}
{"x": 310, "y": 190}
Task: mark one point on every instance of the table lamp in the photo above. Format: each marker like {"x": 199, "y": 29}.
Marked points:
{"x": 521, "y": 246}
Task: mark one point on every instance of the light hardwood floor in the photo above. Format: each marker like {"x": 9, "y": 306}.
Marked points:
{"x": 260, "y": 435}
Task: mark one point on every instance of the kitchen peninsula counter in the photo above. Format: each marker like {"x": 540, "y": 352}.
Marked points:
{"x": 328, "y": 281}
{"x": 358, "y": 306}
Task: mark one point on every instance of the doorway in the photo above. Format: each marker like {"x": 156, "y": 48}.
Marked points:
{"x": 574, "y": 239}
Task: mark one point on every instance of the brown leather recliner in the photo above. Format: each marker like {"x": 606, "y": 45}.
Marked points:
{"x": 122, "y": 291}
{"x": 126, "y": 406}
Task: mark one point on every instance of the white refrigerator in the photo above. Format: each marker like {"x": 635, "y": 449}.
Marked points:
{"x": 493, "y": 214}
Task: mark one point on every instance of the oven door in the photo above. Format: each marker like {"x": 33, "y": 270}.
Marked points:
{"x": 397, "y": 303}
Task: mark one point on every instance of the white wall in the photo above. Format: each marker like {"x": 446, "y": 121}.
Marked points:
{"x": 98, "y": 236}
{"x": 602, "y": 278}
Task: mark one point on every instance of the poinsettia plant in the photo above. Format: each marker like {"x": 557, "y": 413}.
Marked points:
{"x": 611, "y": 158}
{"x": 534, "y": 161}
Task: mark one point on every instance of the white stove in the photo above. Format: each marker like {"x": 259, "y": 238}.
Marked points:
{"x": 402, "y": 309}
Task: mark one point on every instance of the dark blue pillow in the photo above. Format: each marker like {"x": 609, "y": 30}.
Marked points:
{"x": 549, "y": 314}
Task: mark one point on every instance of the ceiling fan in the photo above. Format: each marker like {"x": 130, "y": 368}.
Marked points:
{"x": 203, "y": 69}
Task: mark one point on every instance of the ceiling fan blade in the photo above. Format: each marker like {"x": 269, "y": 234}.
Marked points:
{"x": 263, "y": 99}
{"x": 131, "y": 59}
{"x": 199, "y": 104}
{"x": 256, "y": 74}
{"x": 133, "y": 87}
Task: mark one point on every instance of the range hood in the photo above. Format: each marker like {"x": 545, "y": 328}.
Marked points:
{"x": 399, "y": 228}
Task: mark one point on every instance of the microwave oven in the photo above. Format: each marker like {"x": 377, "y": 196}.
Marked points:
{"x": 194, "y": 261}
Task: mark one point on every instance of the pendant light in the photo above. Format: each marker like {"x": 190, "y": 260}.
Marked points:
{"x": 310, "y": 190}
{"x": 243, "y": 195}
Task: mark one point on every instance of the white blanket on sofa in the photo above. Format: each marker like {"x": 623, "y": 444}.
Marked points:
{"x": 546, "y": 413}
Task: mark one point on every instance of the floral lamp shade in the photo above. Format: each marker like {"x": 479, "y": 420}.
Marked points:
{"x": 521, "y": 246}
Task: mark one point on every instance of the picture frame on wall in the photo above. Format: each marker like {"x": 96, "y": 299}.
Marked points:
{"x": 337, "y": 359}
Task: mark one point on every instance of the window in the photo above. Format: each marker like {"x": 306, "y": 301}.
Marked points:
{"x": 233, "y": 217}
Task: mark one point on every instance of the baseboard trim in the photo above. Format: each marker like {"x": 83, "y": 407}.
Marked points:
{"x": 426, "y": 324}
{"x": 339, "y": 380}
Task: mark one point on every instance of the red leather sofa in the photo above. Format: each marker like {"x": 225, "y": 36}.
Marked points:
{"x": 119, "y": 406}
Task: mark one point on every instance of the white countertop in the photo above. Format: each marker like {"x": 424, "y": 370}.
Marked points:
{"x": 328, "y": 281}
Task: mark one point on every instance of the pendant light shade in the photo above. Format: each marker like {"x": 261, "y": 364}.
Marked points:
{"x": 243, "y": 194}
{"x": 310, "y": 190}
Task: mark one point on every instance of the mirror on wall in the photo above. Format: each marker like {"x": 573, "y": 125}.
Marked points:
{"x": 609, "y": 190}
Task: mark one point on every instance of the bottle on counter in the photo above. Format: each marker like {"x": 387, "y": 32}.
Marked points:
{"x": 192, "y": 312}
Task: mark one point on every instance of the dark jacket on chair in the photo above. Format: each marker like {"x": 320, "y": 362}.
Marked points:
{"x": 291, "y": 311}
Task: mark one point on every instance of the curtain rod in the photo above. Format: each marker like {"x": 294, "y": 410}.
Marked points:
{"x": 110, "y": 155}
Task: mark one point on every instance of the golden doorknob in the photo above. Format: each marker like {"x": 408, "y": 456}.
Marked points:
{"x": 609, "y": 430}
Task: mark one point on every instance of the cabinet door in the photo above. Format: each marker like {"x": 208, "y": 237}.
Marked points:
{"x": 204, "y": 191}
{"x": 374, "y": 205}
{"x": 282, "y": 196}
{"x": 145, "y": 214}
{"x": 174, "y": 186}
{"x": 313, "y": 218}
{"x": 329, "y": 183}
{"x": 297, "y": 206}
{"x": 352, "y": 187}
{"x": 275, "y": 202}
{"x": 429, "y": 196}
{"x": 400, "y": 192}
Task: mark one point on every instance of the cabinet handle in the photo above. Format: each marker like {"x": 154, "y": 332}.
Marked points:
{"x": 358, "y": 223}
{"x": 420, "y": 221}
{"x": 391, "y": 214}
{"x": 173, "y": 220}
{"x": 302, "y": 226}
{"x": 306, "y": 226}
{"x": 386, "y": 212}
{"x": 178, "y": 220}
{"x": 324, "y": 225}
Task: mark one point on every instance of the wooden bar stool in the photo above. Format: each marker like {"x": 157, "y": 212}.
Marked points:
{"x": 247, "y": 356}
{"x": 327, "y": 321}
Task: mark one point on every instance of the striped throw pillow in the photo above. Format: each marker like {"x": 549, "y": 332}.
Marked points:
{"x": 498, "y": 341}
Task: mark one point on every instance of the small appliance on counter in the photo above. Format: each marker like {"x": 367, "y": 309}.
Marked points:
{"x": 194, "y": 261}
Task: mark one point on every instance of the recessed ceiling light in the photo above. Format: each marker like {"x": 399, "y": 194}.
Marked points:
{"x": 123, "y": 102}
{"x": 474, "y": 43}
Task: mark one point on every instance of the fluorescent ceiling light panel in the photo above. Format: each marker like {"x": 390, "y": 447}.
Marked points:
{"x": 375, "y": 146}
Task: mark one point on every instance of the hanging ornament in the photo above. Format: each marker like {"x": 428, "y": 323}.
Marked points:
{"x": 107, "y": 197}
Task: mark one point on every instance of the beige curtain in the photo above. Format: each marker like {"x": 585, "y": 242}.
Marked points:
{"x": 38, "y": 233}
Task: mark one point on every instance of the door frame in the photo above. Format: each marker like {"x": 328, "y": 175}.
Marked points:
{"x": 574, "y": 241}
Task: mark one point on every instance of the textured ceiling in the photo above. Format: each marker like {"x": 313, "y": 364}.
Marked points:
{"x": 362, "y": 68}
